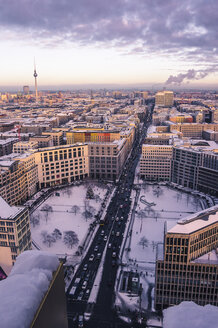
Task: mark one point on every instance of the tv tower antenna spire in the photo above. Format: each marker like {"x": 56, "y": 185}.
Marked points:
{"x": 35, "y": 76}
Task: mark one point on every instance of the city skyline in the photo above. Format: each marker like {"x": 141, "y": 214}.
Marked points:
{"x": 119, "y": 43}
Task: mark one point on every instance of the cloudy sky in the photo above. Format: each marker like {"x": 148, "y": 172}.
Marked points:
{"x": 109, "y": 41}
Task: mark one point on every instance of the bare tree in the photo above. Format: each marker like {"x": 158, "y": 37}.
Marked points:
{"x": 70, "y": 238}
{"x": 47, "y": 208}
{"x": 48, "y": 239}
{"x": 57, "y": 234}
{"x": 90, "y": 193}
{"x": 92, "y": 210}
{"x": 87, "y": 215}
{"x": 141, "y": 214}
{"x": 158, "y": 191}
{"x": 69, "y": 192}
{"x": 75, "y": 209}
{"x": 97, "y": 198}
{"x": 35, "y": 219}
{"x": 89, "y": 212}
{"x": 154, "y": 244}
{"x": 144, "y": 242}
{"x": 43, "y": 235}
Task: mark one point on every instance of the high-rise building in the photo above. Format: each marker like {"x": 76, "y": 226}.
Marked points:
{"x": 187, "y": 270}
{"x": 164, "y": 98}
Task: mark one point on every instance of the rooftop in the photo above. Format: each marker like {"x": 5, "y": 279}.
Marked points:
{"x": 7, "y": 211}
{"x": 196, "y": 221}
{"x": 208, "y": 258}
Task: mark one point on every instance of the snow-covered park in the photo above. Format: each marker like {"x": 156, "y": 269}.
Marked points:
{"x": 158, "y": 209}
{"x": 61, "y": 223}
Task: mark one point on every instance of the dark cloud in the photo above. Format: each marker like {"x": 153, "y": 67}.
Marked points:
{"x": 155, "y": 26}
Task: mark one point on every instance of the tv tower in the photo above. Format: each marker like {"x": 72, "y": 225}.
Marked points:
{"x": 35, "y": 76}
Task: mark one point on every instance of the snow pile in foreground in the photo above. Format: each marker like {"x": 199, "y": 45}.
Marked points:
{"x": 190, "y": 315}
{"x": 23, "y": 290}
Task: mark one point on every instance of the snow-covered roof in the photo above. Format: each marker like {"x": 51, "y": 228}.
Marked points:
{"x": 23, "y": 290}
{"x": 6, "y": 163}
{"x": 190, "y": 315}
{"x": 7, "y": 211}
{"x": 196, "y": 221}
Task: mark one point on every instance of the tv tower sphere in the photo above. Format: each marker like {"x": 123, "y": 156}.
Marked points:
{"x": 35, "y": 76}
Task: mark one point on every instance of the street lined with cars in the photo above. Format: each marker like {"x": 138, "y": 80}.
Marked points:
{"x": 108, "y": 238}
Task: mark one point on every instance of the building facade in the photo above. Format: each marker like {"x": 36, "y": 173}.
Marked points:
{"x": 62, "y": 164}
{"x": 164, "y": 98}
{"x": 106, "y": 160}
{"x": 57, "y": 137}
{"x": 24, "y": 146}
{"x": 15, "y": 236}
{"x": 196, "y": 168}
{"x": 6, "y": 146}
{"x": 155, "y": 162}
{"x": 188, "y": 270}
{"x": 193, "y": 130}
{"x": 18, "y": 178}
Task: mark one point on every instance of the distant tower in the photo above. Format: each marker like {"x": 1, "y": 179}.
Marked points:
{"x": 35, "y": 76}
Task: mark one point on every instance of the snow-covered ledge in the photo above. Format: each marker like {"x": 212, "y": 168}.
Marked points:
{"x": 190, "y": 315}
{"x": 22, "y": 292}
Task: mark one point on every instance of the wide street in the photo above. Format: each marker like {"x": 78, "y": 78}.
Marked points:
{"x": 106, "y": 244}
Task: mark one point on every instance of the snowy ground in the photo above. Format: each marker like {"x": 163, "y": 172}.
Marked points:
{"x": 164, "y": 207}
{"x": 148, "y": 229}
{"x": 64, "y": 218}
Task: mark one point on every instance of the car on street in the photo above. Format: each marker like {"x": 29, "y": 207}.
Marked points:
{"x": 96, "y": 249}
{"x": 80, "y": 321}
{"x": 87, "y": 276}
{"x": 114, "y": 254}
{"x": 98, "y": 256}
{"x": 80, "y": 296}
{"x": 109, "y": 245}
{"x": 85, "y": 267}
{"x": 91, "y": 258}
{"x": 105, "y": 238}
{"x": 84, "y": 285}
{"x": 87, "y": 292}
{"x": 113, "y": 263}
